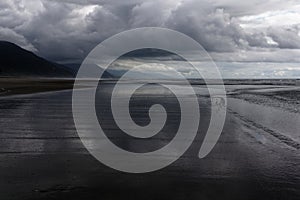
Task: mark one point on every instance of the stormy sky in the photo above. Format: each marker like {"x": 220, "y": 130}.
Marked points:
{"x": 232, "y": 31}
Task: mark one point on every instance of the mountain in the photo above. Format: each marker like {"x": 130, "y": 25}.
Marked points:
{"x": 75, "y": 67}
{"x": 15, "y": 61}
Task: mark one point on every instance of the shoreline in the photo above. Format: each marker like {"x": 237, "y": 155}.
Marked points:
{"x": 30, "y": 85}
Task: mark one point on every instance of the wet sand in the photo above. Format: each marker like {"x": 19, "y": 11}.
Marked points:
{"x": 43, "y": 158}
{"x": 14, "y": 86}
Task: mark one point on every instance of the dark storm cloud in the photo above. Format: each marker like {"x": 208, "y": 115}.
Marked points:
{"x": 69, "y": 29}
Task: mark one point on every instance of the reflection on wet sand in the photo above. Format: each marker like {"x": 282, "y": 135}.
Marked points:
{"x": 43, "y": 158}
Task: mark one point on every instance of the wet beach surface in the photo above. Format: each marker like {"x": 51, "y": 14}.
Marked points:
{"x": 256, "y": 157}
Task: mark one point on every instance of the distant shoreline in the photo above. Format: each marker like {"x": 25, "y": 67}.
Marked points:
{"x": 14, "y": 86}
{"x": 29, "y": 85}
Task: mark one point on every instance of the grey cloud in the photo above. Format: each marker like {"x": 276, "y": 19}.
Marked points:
{"x": 258, "y": 40}
{"x": 152, "y": 13}
{"x": 7, "y": 34}
{"x": 213, "y": 29}
{"x": 68, "y": 29}
{"x": 253, "y": 7}
{"x": 286, "y": 38}
{"x": 235, "y": 7}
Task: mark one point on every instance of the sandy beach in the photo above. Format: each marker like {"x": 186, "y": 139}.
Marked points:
{"x": 257, "y": 156}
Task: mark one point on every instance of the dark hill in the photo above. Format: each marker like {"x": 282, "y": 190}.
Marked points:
{"x": 15, "y": 61}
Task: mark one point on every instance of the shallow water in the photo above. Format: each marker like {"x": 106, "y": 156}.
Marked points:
{"x": 286, "y": 123}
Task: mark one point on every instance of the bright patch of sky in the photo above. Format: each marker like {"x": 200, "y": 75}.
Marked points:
{"x": 228, "y": 70}
{"x": 277, "y": 18}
